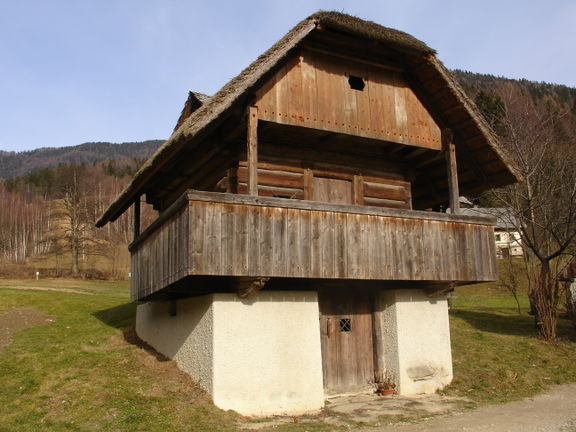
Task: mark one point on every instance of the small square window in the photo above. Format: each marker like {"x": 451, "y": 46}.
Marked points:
{"x": 356, "y": 82}
{"x": 345, "y": 325}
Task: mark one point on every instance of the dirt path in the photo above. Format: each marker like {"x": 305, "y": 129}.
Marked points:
{"x": 551, "y": 412}
{"x": 19, "y": 319}
{"x": 35, "y": 288}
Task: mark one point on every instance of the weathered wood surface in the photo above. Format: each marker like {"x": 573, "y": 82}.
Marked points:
{"x": 313, "y": 90}
{"x": 347, "y": 347}
{"x": 285, "y": 180}
{"x": 233, "y": 235}
{"x": 252, "y": 150}
{"x": 450, "y": 150}
{"x": 162, "y": 258}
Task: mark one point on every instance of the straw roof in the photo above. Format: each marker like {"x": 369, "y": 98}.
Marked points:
{"x": 204, "y": 114}
{"x": 195, "y": 100}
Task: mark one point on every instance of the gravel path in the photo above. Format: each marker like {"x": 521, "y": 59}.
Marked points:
{"x": 554, "y": 411}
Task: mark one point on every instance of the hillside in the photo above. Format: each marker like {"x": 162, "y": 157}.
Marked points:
{"x": 537, "y": 90}
{"x": 496, "y": 97}
{"x": 15, "y": 164}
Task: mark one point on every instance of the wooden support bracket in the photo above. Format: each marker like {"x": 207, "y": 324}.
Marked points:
{"x": 247, "y": 286}
{"x": 436, "y": 291}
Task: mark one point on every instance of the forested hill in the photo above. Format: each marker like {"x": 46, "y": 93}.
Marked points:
{"x": 524, "y": 105}
{"x": 537, "y": 90}
{"x": 15, "y": 164}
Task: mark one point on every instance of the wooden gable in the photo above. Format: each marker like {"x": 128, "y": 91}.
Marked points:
{"x": 341, "y": 95}
{"x": 313, "y": 114}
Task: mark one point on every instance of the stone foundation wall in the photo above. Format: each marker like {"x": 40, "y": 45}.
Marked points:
{"x": 258, "y": 356}
{"x": 417, "y": 347}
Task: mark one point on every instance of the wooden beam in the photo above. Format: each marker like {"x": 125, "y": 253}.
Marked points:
{"x": 308, "y": 181}
{"x": 450, "y": 152}
{"x": 378, "y": 336}
{"x": 332, "y": 53}
{"x": 247, "y": 286}
{"x": 252, "y": 150}
{"x": 358, "y": 182}
{"x": 439, "y": 290}
{"x": 136, "y": 226}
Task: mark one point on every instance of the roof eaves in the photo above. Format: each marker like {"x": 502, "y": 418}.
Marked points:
{"x": 205, "y": 115}
{"x": 478, "y": 119}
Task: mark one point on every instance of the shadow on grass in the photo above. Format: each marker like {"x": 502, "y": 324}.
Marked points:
{"x": 132, "y": 338}
{"x": 119, "y": 317}
{"x": 122, "y": 317}
{"x": 518, "y": 325}
{"x": 513, "y": 325}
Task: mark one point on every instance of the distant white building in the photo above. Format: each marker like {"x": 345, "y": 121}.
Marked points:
{"x": 568, "y": 275}
{"x": 506, "y": 234}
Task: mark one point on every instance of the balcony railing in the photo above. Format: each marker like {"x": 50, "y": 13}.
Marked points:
{"x": 207, "y": 233}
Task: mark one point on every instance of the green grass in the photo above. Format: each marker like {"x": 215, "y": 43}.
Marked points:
{"x": 81, "y": 373}
{"x": 497, "y": 355}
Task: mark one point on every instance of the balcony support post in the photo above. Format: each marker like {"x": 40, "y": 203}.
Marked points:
{"x": 136, "y": 225}
{"x": 252, "y": 150}
{"x": 450, "y": 152}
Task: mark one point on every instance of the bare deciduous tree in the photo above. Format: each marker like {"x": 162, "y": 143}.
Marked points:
{"x": 544, "y": 202}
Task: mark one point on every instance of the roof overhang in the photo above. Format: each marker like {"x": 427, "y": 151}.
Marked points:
{"x": 236, "y": 94}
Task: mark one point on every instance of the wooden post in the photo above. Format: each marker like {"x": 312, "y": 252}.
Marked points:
{"x": 136, "y": 218}
{"x": 308, "y": 180}
{"x": 252, "y": 150}
{"x": 358, "y": 184}
{"x": 450, "y": 152}
{"x": 378, "y": 338}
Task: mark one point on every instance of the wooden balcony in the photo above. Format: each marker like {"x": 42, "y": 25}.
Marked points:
{"x": 218, "y": 234}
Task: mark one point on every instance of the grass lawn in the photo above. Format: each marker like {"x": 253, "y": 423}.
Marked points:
{"x": 81, "y": 372}
{"x": 497, "y": 356}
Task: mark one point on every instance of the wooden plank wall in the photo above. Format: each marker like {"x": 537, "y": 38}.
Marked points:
{"x": 306, "y": 241}
{"x": 162, "y": 258}
{"x": 244, "y": 240}
{"x": 390, "y": 193}
{"x": 274, "y": 180}
{"x": 312, "y": 90}
{"x": 285, "y": 180}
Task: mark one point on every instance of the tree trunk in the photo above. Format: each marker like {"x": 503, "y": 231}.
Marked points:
{"x": 74, "y": 251}
{"x": 546, "y": 301}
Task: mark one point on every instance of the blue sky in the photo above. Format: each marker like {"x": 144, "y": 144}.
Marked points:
{"x": 74, "y": 71}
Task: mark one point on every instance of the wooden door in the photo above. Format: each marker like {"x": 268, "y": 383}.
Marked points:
{"x": 347, "y": 341}
{"x": 332, "y": 190}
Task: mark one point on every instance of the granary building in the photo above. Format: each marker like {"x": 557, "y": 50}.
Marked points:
{"x": 297, "y": 251}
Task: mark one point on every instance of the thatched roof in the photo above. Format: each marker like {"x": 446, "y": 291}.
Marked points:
{"x": 201, "y": 121}
{"x": 195, "y": 100}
